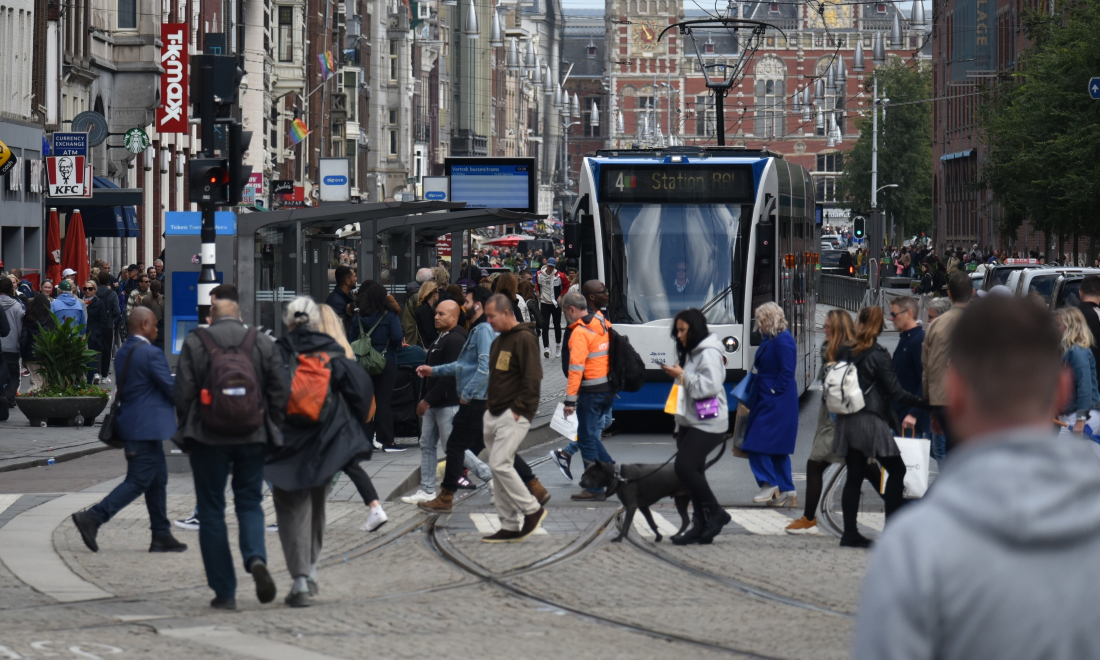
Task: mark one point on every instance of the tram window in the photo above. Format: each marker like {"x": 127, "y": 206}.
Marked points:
{"x": 674, "y": 257}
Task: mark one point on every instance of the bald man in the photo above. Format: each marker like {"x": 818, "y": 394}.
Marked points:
{"x": 145, "y": 419}
{"x": 439, "y": 401}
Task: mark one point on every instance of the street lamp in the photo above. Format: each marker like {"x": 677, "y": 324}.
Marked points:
{"x": 889, "y": 185}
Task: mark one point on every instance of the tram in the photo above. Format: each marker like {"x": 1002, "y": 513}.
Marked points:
{"x": 720, "y": 229}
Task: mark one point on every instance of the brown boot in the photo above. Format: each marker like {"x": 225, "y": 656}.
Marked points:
{"x": 441, "y": 504}
{"x": 539, "y": 491}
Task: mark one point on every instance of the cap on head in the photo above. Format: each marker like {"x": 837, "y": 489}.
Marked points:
{"x": 552, "y": 261}
{"x": 65, "y": 285}
{"x": 67, "y": 272}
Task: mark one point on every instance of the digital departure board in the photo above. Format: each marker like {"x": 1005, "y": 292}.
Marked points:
{"x": 503, "y": 183}
{"x": 676, "y": 184}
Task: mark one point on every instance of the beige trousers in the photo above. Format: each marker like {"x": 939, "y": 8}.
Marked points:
{"x": 503, "y": 435}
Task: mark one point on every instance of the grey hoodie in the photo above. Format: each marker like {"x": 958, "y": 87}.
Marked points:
{"x": 998, "y": 561}
{"x": 13, "y": 309}
{"x": 704, "y": 377}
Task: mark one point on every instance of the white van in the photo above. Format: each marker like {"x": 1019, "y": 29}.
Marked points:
{"x": 1043, "y": 280}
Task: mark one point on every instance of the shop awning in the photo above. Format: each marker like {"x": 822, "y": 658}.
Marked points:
{"x": 109, "y": 221}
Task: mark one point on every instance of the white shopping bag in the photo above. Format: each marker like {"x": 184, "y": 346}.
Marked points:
{"x": 917, "y": 454}
{"x": 567, "y": 426}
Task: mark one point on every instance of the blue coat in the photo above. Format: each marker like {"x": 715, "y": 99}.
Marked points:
{"x": 773, "y": 419}
{"x": 146, "y": 411}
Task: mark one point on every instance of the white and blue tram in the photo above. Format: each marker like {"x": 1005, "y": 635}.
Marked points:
{"x": 719, "y": 229}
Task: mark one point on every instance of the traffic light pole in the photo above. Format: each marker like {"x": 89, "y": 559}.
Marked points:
{"x": 208, "y": 275}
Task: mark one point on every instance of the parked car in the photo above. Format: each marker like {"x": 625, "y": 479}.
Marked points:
{"x": 1043, "y": 280}
{"x": 1067, "y": 292}
{"x": 833, "y": 262}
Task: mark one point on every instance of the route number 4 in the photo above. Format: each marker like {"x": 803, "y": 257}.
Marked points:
{"x": 47, "y": 650}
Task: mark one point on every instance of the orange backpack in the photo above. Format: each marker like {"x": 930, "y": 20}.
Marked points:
{"x": 311, "y": 399}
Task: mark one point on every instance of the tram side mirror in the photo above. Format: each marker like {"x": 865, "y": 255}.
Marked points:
{"x": 572, "y": 234}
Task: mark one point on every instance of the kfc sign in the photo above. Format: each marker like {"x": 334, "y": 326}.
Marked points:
{"x": 172, "y": 113}
{"x": 67, "y": 176}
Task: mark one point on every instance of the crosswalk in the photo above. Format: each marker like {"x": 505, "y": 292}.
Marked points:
{"x": 489, "y": 523}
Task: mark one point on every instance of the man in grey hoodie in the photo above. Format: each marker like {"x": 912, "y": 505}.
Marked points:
{"x": 996, "y": 561}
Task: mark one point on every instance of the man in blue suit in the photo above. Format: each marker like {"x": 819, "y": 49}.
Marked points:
{"x": 146, "y": 418}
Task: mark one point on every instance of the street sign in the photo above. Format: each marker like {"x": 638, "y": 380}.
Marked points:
{"x": 256, "y": 180}
{"x": 436, "y": 188}
{"x": 135, "y": 140}
{"x": 92, "y": 123}
{"x": 1094, "y": 88}
{"x": 174, "y": 57}
{"x": 67, "y": 176}
{"x": 70, "y": 144}
{"x": 335, "y": 186}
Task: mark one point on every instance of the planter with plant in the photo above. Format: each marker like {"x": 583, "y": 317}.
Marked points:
{"x": 66, "y": 398}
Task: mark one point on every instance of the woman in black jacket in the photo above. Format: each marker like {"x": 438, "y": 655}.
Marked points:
{"x": 869, "y": 433}
{"x": 37, "y": 317}
{"x": 428, "y": 296}
{"x": 99, "y": 321}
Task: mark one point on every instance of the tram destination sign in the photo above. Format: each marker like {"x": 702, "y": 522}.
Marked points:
{"x": 676, "y": 184}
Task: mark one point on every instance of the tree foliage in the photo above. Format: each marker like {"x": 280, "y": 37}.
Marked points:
{"x": 1042, "y": 131}
{"x": 904, "y": 150}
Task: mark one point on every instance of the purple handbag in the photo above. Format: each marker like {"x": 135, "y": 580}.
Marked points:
{"x": 707, "y": 408}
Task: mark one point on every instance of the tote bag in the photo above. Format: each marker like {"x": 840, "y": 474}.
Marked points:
{"x": 917, "y": 454}
{"x": 676, "y": 404}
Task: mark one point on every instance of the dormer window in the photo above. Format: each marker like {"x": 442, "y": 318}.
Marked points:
{"x": 774, "y": 7}
{"x": 881, "y": 8}
{"x": 708, "y": 47}
{"x": 591, "y": 49}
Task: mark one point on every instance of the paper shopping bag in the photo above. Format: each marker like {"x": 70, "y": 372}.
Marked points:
{"x": 676, "y": 403}
{"x": 917, "y": 454}
{"x": 567, "y": 426}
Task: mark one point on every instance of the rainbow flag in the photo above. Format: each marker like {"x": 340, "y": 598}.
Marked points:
{"x": 328, "y": 67}
{"x": 298, "y": 131}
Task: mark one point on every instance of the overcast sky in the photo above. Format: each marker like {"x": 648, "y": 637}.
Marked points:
{"x": 599, "y": 4}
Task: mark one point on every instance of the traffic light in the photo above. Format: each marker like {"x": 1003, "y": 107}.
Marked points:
{"x": 209, "y": 179}
{"x": 859, "y": 226}
{"x": 239, "y": 140}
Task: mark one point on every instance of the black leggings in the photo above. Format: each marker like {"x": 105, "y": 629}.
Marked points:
{"x": 692, "y": 448}
{"x": 362, "y": 481}
{"x": 550, "y": 311}
{"x": 815, "y": 477}
{"x": 857, "y": 467}
{"x": 383, "y": 398}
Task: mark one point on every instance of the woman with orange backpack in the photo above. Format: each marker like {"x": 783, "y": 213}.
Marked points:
{"x": 330, "y": 402}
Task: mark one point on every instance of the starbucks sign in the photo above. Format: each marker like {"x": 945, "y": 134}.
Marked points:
{"x": 135, "y": 140}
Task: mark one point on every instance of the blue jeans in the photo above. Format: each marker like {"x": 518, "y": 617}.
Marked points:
{"x": 436, "y": 428}
{"x": 211, "y": 466}
{"x": 146, "y": 474}
{"x": 592, "y": 409}
{"x": 772, "y": 469}
{"x": 605, "y": 423}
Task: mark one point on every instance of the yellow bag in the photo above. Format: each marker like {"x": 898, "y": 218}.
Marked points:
{"x": 675, "y": 403}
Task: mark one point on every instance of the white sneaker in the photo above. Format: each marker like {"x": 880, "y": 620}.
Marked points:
{"x": 546, "y": 352}
{"x": 787, "y": 498}
{"x": 766, "y": 493}
{"x": 106, "y": 380}
{"x": 557, "y": 351}
{"x": 377, "y": 445}
{"x": 375, "y": 520}
{"x": 421, "y": 496}
{"x": 95, "y": 379}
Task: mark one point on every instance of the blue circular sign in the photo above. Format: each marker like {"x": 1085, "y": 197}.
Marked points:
{"x": 435, "y": 194}
{"x": 335, "y": 180}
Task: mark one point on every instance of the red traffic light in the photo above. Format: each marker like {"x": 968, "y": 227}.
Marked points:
{"x": 217, "y": 176}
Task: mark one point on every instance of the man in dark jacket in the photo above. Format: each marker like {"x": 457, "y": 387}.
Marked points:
{"x": 341, "y": 300}
{"x": 1090, "y": 307}
{"x": 439, "y": 401}
{"x": 512, "y": 399}
{"x": 215, "y": 456}
{"x": 145, "y": 421}
{"x": 907, "y": 360}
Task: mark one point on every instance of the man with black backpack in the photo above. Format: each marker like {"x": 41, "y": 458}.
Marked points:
{"x": 230, "y": 396}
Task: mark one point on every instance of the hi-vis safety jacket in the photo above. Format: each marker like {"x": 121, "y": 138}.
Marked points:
{"x": 589, "y": 356}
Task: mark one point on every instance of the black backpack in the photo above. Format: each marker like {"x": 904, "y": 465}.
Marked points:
{"x": 231, "y": 400}
{"x": 627, "y": 368}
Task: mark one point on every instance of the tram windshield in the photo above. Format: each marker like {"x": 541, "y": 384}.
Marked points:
{"x": 674, "y": 257}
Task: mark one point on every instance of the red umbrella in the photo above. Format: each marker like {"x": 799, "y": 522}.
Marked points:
{"x": 76, "y": 248}
{"x": 508, "y": 240}
{"x": 53, "y": 248}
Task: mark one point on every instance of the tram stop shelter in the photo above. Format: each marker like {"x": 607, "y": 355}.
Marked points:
{"x": 289, "y": 253}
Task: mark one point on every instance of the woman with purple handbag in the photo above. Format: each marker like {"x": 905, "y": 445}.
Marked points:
{"x": 702, "y": 372}
{"x": 772, "y": 426}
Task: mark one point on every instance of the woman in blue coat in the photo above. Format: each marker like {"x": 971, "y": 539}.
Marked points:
{"x": 773, "y": 417}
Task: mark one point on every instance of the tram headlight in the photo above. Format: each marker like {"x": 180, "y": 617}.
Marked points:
{"x": 731, "y": 344}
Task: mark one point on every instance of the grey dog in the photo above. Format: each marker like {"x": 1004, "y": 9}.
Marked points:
{"x": 641, "y": 486}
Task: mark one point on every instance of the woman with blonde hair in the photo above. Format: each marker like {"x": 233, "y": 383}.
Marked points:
{"x": 315, "y": 445}
{"x": 332, "y": 326}
{"x": 1082, "y": 409}
{"x": 839, "y": 329}
{"x": 869, "y": 432}
{"x": 428, "y": 297}
{"x": 772, "y": 427}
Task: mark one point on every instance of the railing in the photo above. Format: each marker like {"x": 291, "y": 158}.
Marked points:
{"x": 844, "y": 292}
